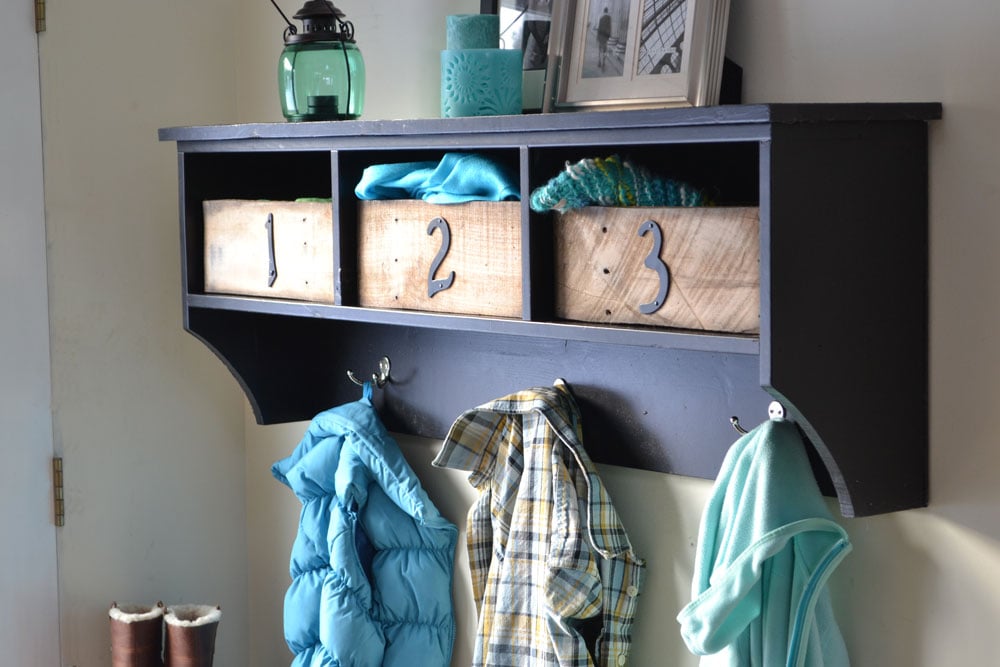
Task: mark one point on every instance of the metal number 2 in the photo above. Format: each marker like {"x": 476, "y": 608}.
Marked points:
{"x": 435, "y": 286}
{"x": 654, "y": 262}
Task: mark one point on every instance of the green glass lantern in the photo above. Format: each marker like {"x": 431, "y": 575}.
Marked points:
{"x": 321, "y": 74}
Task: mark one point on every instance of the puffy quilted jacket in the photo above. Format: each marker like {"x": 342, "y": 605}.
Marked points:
{"x": 373, "y": 560}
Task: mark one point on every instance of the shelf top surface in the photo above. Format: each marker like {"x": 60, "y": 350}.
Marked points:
{"x": 741, "y": 114}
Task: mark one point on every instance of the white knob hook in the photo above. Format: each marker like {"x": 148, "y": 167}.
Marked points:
{"x": 774, "y": 411}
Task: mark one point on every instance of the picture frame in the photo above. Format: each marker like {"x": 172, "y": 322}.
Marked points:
{"x": 526, "y": 25}
{"x": 626, "y": 54}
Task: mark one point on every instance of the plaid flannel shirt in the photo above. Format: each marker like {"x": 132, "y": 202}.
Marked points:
{"x": 553, "y": 573}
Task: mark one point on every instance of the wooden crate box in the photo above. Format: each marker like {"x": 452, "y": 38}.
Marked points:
{"x": 614, "y": 265}
{"x": 245, "y": 240}
{"x": 455, "y": 258}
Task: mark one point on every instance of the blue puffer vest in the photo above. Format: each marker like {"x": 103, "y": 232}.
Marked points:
{"x": 373, "y": 560}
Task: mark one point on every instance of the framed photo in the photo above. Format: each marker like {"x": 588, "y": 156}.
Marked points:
{"x": 619, "y": 54}
{"x": 526, "y": 25}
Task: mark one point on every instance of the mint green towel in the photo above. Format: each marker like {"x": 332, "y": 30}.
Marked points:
{"x": 766, "y": 547}
{"x": 457, "y": 178}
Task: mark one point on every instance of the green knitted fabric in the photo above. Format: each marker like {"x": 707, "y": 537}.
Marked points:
{"x": 611, "y": 182}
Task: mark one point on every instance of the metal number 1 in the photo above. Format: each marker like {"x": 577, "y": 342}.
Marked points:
{"x": 654, "y": 262}
{"x": 435, "y": 286}
{"x": 272, "y": 268}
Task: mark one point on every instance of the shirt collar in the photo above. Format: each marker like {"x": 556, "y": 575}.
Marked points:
{"x": 473, "y": 441}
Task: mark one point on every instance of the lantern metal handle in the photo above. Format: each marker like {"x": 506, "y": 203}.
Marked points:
{"x": 291, "y": 29}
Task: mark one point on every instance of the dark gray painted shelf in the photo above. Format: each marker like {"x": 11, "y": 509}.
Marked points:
{"x": 842, "y": 191}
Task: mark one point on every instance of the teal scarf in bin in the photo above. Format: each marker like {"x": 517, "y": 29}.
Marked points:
{"x": 456, "y": 178}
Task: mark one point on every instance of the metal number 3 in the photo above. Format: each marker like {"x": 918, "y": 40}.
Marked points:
{"x": 435, "y": 286}
{"x": 654, "y": 262}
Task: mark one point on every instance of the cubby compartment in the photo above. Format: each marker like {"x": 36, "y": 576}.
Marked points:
{"x": 382, "y": 270}
{"x": 653, "y": 265}
{"x": 243, "y": 179}
{"x": 834, "y": 189}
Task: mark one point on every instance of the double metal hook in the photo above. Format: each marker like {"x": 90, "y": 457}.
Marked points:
{"x": 379, "y": 378}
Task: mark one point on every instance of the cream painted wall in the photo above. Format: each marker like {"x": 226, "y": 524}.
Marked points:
{"x": 148, "y": 421}
{"x": 401, "y": 43}
{"x": 920, "y": 588}
{"x": 168, "y": 499}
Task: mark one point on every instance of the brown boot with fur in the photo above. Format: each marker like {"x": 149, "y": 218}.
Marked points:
{"x": 191, "y": 632}
{"x": 136, "y": 635}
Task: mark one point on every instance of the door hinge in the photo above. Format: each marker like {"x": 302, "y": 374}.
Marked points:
{"x": 58, "y": 502}
{"x": 39, "y": 15}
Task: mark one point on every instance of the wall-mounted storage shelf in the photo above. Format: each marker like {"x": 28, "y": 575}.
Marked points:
{"x": 842, "y": 194}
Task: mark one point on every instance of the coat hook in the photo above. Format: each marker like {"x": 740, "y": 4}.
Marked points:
{"x": 735, "y": 421}
{"x": 378, "y": 379}
{"x": 774, "y": 411}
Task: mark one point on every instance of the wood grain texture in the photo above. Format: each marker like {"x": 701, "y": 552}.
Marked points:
{"x": 395, "y": 254}
{"x": 237, "y": 252}
{"x": 712, "y": 253}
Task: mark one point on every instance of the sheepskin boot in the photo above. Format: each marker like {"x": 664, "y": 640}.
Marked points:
{"x": 136, "y": 635}
{"x": 190, "y": 635}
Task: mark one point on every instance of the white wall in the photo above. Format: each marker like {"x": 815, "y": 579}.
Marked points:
{"x": 147, "y": 420}
{"x": 920, "y": 588}
{"x": 401, "y": 43}
{"x": 168, "y": 499}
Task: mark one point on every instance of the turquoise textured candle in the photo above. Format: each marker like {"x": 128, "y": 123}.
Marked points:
{"x": 480, "y": 82}
{"x": 473, "y": 31}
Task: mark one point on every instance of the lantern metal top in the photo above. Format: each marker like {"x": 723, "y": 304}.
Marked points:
{"x": 321, "y": 22}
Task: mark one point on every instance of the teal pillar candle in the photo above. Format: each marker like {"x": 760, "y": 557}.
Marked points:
{"x": 480, "y": 82}
{"x": 473, "y": 31}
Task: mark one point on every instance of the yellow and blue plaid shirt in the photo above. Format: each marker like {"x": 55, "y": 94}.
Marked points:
{"x": 553, "y": 573}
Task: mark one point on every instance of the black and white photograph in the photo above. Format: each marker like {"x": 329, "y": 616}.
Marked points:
{"x": 607, "y": 38}
{"x": 619, "y": 54}
{"x": 662, "y": 38}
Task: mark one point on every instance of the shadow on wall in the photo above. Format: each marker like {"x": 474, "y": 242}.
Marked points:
{"x": 884, "y": 623}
